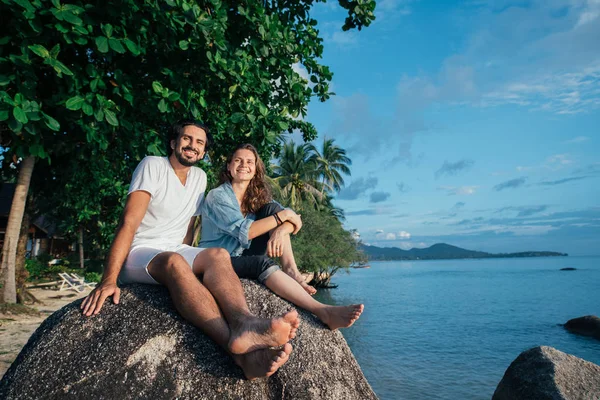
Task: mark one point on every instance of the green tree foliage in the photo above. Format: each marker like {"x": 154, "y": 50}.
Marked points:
{"x": 330, "y": 163}
{"x": 97, "y": 81}
{"x": 295, "y": 177}
{"x": 323, "y": 246}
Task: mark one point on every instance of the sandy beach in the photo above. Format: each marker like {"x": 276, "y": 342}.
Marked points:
{"x": 15, "y": 329}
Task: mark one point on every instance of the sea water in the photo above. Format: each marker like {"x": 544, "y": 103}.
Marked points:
{"x": 449, "y": 329}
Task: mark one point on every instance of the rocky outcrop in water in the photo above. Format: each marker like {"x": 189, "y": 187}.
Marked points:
{"x": 544, "y": 373}
{"x": 142, "y": 349}
{"x": 587, "y": 326}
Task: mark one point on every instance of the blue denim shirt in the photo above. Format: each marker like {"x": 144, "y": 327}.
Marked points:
{"x": 223, "y": 224}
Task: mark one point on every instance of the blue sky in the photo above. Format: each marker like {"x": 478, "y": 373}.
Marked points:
{"x": 474, "y": 123}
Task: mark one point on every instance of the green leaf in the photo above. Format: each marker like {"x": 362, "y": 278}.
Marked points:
{"x": 72, "y": 18}
{"x": 102, "y": 44}
{"x": 111, "y": 118}
{"x": 184, "y": 44}
{"x": 162, "y": 106}
{"x": 20, "y": 115}
{"x": 263, "y": 110}
{"x": 4, "y": 40}
{"x": 75, "y": 103}
{"x": 51, "y": 123}
{"x": 62, "y": 68}
{"x": 94, "y": 84}
{"x": 15, "y": 125}
{"x": 99, "y": 115}
{"x": 4, "y": 80}
{"x": 39, "y": 50}
{"x": 237, "y": 117}
{"x": 3, "y": 115}
{"x": 132, "y": 47}
{"x": 54, "y": 51}
{"x": 116, "y": 45}
{"x": 26, "y": 5}
{"x": 202, "y": 102}
{"x": 173, "y": 96}
{"x": 157, "y": 87}
{"x": 87, "y": 109}
{"x": 283, "y": 125}
{"x": 107, "y": 29}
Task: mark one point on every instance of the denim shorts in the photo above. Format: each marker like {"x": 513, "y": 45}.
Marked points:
{"x": 254, "y": 267}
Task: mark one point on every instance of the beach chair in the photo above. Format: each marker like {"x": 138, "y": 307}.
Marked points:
{"x": 68, "y": 282}
{"x": 82, "y": 280}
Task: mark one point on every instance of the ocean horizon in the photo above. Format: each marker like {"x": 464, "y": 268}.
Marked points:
{"x": 449, "y": 329}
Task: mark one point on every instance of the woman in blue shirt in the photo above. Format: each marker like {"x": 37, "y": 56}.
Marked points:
{"x": 241, "y": 216}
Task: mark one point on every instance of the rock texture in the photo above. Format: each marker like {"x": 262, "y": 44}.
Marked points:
{"x": 544, "y": 373}
{"x": 587, "y": 326}
{"x": 142, "y": 349}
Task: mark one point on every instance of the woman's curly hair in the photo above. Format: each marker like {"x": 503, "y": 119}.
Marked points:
{"x": 258, "y": 193}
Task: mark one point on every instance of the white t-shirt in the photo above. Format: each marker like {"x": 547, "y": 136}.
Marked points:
{"x": 172, "y": 204}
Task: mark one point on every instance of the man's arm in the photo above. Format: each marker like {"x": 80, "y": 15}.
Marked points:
{"x": 135, "y": 209}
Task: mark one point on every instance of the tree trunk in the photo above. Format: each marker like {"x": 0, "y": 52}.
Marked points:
{"x": 11, "y": 238}
{"x": 81, "y": 257}
{"x": 21, "y": 273}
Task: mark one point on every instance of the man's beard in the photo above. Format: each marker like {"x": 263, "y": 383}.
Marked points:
{"x": 184, "y": 161}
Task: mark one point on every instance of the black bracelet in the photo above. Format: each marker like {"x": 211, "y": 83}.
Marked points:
{"x": 277, "y": 219}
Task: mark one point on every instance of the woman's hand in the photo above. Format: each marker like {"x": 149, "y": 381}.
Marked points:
{"x": 291, "y": 217}
{"x": 276, "y": 243}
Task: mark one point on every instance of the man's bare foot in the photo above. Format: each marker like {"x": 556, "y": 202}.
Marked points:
{"x": 264, "y": 362}
{"x": 258, "y": 333}
{"x": 340, "y": 316}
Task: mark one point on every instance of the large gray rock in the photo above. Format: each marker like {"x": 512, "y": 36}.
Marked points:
{"x": 544, "y": 373}
{"x": 587, "y": 326}
{"x": 142, "y": 349}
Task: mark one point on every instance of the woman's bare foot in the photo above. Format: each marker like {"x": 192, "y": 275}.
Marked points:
{"x": 258, "y": 333}
{"x": 340, "y": 316}
{"x": 264, "y": 362}
{"x": 309, "y": 289}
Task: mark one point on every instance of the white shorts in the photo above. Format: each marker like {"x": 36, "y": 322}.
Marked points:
{"x": 135, "y": 269}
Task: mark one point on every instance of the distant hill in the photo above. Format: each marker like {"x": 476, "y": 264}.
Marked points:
{"x": 441, "y": 251}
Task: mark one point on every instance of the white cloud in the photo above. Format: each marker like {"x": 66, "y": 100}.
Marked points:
{"x": 390, "y": 236}
{"x": 458, "y": 190}
{"x": 578, "y": 139}
{"x": 403, "y": 235}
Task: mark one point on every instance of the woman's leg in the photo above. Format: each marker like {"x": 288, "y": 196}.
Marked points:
{"x": 333, "y": 316}
{"x": 268, "y": 273}
{"x": 288, "y": 262}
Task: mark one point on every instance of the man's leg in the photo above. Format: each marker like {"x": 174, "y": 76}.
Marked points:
{"x": 196, "y": 304}
{"x": 248, "y": 332}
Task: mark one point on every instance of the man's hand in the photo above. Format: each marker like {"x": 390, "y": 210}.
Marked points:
{"x": 275, "y": 243}
{"x": 95, "y": 300}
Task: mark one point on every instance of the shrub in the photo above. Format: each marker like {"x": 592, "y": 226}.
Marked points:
{"x": 93, "y": 277}
{"x": 36, "y": 268}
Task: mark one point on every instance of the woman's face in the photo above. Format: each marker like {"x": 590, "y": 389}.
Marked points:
{"x": 242, "y": 166}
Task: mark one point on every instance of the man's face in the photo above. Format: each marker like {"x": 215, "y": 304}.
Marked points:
{"x": 189, "y": 146}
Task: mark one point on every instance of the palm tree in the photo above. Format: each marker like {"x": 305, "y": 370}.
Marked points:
{"x": 331, "y": 162}
{"x": 296, "y": 176}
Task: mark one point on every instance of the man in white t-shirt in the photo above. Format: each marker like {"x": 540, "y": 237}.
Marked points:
{"x": 153, "y": 245}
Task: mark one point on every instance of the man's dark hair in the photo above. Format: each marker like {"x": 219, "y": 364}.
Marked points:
{"x": 177, "y": 129}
